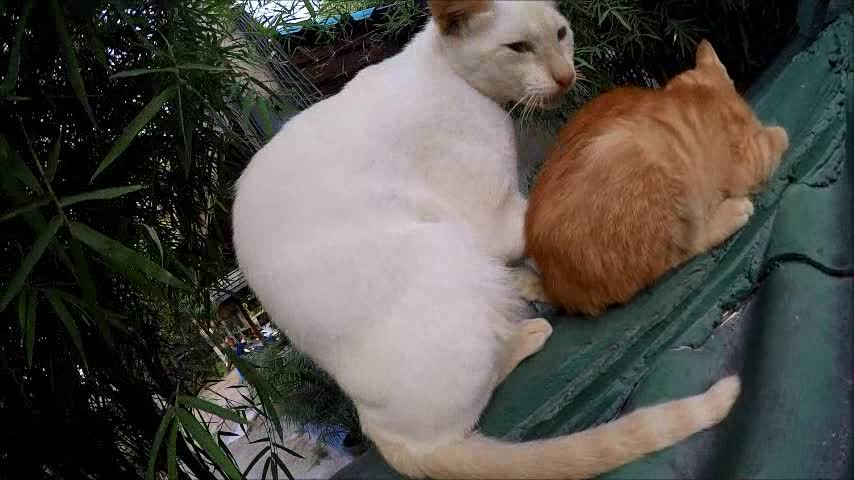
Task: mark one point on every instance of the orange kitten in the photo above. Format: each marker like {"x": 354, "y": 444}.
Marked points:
{"x": 641, "y": 180}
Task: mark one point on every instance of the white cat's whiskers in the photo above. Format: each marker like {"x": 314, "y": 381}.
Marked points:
{"x": 523, "y": 99}
{"x": 524, "y": 111}
{"x": 530, "y": 99}
{"x": 530, "y": 106}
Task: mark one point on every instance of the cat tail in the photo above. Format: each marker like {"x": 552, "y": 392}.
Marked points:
{"x": 582, "y": 455}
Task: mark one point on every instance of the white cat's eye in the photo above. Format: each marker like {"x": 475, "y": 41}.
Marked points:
{"x": 561, "y": 34}
{"x": 520, "y": 47}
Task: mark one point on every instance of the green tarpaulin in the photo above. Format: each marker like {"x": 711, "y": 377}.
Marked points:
{"x": 775, "y": 303}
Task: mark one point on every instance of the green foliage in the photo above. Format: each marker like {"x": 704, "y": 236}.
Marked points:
{"x": 118, "y": 160}
{"x": 146, "y": 115}
{"x": 267, "y": 393}
{"x": 310, "y": 397}
{"x": 165, "y": 423}
{"x": 200, "y": 434}
{"x": 640, "y": 42}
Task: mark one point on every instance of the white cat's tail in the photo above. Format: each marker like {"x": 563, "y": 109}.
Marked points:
{"x": 581, "y": 455}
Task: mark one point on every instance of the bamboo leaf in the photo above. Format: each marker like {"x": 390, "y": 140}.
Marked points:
{"x": 310, "y": 7}
{"x": 184, "y": 138}
{"x": 122, "y": 256}
{"x": 283, "y": 467}
{"x": 143, "y": 71}
{"x": 224, "y": 413}
{"x": 33, "y": 218}
{"x": 67, "y": 321}
{"x": 71, "y": 66}
{"x": 29, "y": 261}
{"x": 249, "y": 402}
{"x": 246, "y": 107}
{"x": 158, "y": 439}
{"x": 84, "y": 274}
{"x": 130, "y": 132}
{"x": 255, "y": 460}
{"x": 118, "y": 8}
{"x": 171, "y": 454}
{"x": 274, "y": 469}
{"x": 273, "y": 95}
{"x": 11, "y": 78}
{"x": 30, "y": 332}
{"x": 26, "y": 320}
{"x": 266, "y": 116}
{"x": 622, "y": 20}
{"x": 22, "y": 310}
{"x": 23, "y": 209}
{"x": 267, "y": 465}
{"x": 96, "y": 46}
{"x": 201, "y": 436}
{"x": 153, "y": 234}
{"x": 53, "y": 159}
{"x": 104, "y": 318}
{"x": 266, "y": 392}
{"x": 17, "y": 168}
{"x": 225, "y": 449}
{"x": 101, "y": 194}
{"x": 199, "y": 66}
{"x": 290, "y": 452}
{"x": 278, "y": 445}
{"x": 142, "y": 282}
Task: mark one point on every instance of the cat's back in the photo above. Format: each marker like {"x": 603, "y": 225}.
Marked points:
{"x": 679, "y": 133}
{"x": 354, "y": 155}
{"x": 602, "y": 206}
{"x": 387, "y": 116}
{"x": 609, "y": 210}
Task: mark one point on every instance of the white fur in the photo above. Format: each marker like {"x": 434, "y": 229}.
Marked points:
{"x": 376, "y": 225}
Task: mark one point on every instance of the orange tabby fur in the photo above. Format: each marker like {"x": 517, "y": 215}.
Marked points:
{"x": 641, "y": 180}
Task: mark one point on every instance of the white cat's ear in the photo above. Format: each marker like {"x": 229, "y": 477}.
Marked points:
{"x": 452, "y": 15}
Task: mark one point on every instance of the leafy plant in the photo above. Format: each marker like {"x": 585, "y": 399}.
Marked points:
{"x": 312, "y": 401}
{"x": 119, "y": 149}
{"x": 641, "y": 42}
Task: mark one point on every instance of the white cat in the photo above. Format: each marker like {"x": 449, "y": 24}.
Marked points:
{"x": 375, "y": 229}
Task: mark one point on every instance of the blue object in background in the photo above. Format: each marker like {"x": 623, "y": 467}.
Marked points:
{"x": 335, "y": 441}
{"x": 362, "y": 14}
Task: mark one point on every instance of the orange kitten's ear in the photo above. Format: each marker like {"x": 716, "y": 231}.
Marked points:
{"x": 706, "y": 53}
{"x": 452, "y": 15}
{"x": 706, "y": 57}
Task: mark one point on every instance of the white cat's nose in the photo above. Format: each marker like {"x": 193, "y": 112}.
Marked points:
{"x": 564, "y": 79}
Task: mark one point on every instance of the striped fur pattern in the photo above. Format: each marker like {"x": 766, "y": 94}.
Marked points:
{"x": 641, "y": 180}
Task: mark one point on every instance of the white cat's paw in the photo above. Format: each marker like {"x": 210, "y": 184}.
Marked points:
{"x": 534, "y": 333}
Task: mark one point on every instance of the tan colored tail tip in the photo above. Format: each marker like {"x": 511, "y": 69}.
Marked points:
{"x": 722, "y": 396}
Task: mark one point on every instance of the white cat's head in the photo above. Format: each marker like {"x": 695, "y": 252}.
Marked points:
{"x": 508, "y": 50}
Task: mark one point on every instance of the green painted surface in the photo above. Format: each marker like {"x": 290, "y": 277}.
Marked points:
{"x": 788, "y": 275}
